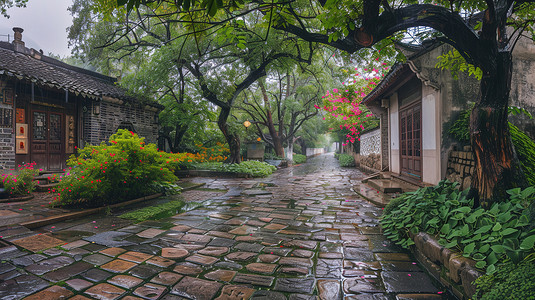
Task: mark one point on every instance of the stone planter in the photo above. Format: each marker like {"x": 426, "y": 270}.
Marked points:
{"x": 455, "y": 272}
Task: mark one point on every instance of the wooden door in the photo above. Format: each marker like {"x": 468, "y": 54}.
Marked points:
{"x": 46, "y": 148}
{"x": 411, "y": 140}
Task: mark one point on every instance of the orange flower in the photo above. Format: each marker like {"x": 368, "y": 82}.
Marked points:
{"x": 259, "y": 139}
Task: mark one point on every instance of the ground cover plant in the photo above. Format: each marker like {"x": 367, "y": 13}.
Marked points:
{"x": 346, "y": 160}
{"x": 164, "y": 210}
{"x": 124, "y": 169}
{"x": 488, "y": 236}
{"x": 252, "y": 168}
{"x": 299, "y": 158}
{"x": 18, "y": 183}
{"x": 510, "y": 281}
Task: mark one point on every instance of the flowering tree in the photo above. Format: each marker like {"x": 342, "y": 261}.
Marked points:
{"x": 343, "y": 108}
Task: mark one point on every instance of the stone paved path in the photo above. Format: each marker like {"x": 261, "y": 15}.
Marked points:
{"x": 300, "y": 234}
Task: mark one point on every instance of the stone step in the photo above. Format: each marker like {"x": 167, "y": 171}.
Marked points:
{"x": 385, "y": 185}
{"x": 46, "y": 187}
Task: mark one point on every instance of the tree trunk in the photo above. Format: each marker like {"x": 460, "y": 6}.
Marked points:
{"x": 497, "y": 166}
{"x": 277, "y": 142}
{"x": 233, "y": 139}
{"x": 180, "y": 131}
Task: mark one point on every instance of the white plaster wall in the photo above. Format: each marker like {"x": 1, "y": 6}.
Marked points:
{"x": 393, "y": 111}
{"x": 431, "y": 172}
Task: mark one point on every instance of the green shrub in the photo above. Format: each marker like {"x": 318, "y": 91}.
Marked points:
{"x": 346, "y": 160}
{"x": 510, "y": 281}
{"x": 251, "y": 167}
{"x": 487, "y": 236}
{"x": 21, "y": 182}
{"x": 300, "y": 159}
{"x": 124, "y": 169}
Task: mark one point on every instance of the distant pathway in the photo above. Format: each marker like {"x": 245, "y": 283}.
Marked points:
{"x": 299, "y": 234}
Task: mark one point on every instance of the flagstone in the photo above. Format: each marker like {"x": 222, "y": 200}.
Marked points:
{"x": 150, "y": 233}
{"x": 105, "y": 291}
{"x": 52, "y": 293}
{"x": 166, "y": 278}
{"x": 113, "y": 251}
{"x": 187, "y": 268}
{"x": 235, "y": 292}
{"x": 221, "y": 275}
{"x": 134, "y": 256}
{"x": 118, "y": 266}
{"x": 202, "y": 259}
{"x": 195, "y": 288}
{"x": 36, "y": 243}
{"x": 125, "y": 281}
{"x": 214, "y": 251}
{"x": 174, "y": 253}
{"x": 150, "y": 291}
{"x": 160, "y": 261}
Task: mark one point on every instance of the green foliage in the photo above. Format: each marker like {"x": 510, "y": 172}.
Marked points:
{"x": 524, "y": 145}
{"x": 525, "y": 150}
{"x": 346, "y": 160}
{"x": 510, "y": 281}
{"x": 251, "y": 167}
{"x": 124, "y": 169}
{"x": 487, "y": 236}
{"x": 299, "y": 158}
{"x": 453, "y": 61}
{"x": 395, "y": 203}
{"x": 154, "y": 212}
{"x": 21, "y": 182}
{"x": 460, "y": 129}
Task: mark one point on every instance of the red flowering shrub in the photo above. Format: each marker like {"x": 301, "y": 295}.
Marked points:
{"x": 21, "y": 182}
{"x": 123, "y": 169}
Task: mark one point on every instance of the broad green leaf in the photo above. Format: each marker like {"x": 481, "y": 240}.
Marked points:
{"x": 498, "y": 248}
{"x": 469, "y": 248}
{"x": 497, "y": 227}
{"x": 528, "y": 243}
{"x": 483, "y": 229}
{"x": 508, "y": 231}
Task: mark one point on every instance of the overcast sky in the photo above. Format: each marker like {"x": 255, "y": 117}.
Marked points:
{"x": 45, "y": 25}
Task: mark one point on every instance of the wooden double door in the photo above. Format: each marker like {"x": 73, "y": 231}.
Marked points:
{"x": 411, "y": 140}
{"x": 47, "y": 139}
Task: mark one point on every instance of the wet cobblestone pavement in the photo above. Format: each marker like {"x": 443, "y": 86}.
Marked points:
{"x": 299, "y": 234}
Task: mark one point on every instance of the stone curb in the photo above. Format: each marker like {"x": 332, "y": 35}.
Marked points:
{"x": 16, "y": 199}
{"x": 454, "y": 271}
{"x": 69, "y": 216}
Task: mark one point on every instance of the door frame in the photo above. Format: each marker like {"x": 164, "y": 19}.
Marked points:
{"x": 416, "y": 159}
{"x": 47, "y": 142}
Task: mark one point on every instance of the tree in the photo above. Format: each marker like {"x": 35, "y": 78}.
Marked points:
{"x": 481, "y": 37}
{"x": 196, "y": 52}
{"x": 288, "y": 97}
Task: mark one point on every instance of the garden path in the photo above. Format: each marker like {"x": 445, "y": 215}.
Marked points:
{"x": 300, "y": 234}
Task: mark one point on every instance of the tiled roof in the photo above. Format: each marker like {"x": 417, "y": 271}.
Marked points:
{"x": 54, "y": 73}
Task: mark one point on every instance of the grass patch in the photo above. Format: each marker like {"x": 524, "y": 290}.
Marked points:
{"x": 154, "y": 212}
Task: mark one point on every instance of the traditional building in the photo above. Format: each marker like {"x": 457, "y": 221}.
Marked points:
{"x": 417, "y": 104}
{"x": 49, "y": 108}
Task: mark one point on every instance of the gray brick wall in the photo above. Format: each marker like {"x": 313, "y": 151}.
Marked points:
{"x": 98, "y": 128}
{"x": 7, "y": 148}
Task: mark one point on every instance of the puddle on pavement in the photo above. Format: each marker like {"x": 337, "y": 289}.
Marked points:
{"x": 71, "y": 235}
